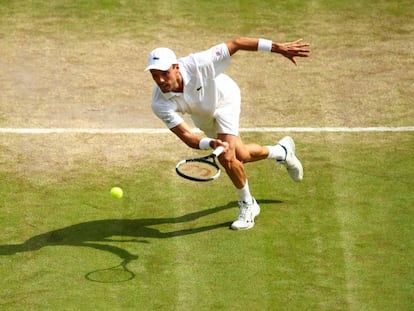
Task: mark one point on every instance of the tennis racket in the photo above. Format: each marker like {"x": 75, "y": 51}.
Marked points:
{"x": 200, "y": 169}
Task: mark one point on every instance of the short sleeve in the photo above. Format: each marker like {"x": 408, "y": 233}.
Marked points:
{"x": 166, "y": 110}
{"x": 217, "y": 55}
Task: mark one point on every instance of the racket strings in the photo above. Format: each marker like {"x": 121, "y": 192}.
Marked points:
{"x": 198, "y": 170}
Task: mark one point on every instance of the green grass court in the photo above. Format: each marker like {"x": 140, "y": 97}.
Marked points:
{"x": 340, "y": 240}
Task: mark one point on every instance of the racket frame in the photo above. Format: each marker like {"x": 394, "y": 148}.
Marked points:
{"x": 205, "y": 160}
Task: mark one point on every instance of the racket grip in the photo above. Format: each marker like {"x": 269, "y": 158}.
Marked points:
{"x": 219, "y": 150}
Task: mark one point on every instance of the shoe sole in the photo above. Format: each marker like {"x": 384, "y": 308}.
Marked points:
{"x": 247, "y": 228}
{"x": 293, "y": 148}
{"x": 242, "y": 229}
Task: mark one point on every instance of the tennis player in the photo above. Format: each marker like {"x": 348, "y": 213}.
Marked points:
{"x": 196, "y": 85}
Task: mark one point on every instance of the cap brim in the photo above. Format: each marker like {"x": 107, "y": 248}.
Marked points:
{"x": 162, "y": 67}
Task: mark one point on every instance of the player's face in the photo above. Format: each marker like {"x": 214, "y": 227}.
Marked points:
{"x": 168, "y": 81}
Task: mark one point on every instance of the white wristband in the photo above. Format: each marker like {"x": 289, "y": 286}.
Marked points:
{"x": 264, "y": 45}
{"x": 205, "y": 143}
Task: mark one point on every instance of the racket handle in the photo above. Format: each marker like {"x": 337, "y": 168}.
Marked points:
{"x": 219, "y": 150}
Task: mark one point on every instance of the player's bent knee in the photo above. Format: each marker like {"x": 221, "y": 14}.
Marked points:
{"x": 228, "y": 163}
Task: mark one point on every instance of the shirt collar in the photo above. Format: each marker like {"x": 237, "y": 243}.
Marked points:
{"x": 184, "y": 74}
{"x": 170, "y": 95}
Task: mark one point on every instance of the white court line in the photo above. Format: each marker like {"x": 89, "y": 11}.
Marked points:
{"x": 330, "y": 129}
{"x": 11, "y": 130}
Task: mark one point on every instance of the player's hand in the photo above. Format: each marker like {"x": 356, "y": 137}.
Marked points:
{"x": 219, "y": 142}
{"x": 293, "y": 49}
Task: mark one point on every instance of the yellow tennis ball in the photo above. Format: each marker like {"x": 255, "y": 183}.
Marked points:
{"x": 117, "y": 193}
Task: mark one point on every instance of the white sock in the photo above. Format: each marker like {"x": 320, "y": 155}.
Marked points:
{"x": 244, "y": 193}
{"x": 276, "y": 152}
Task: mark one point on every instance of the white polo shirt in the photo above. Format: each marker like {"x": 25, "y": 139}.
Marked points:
{"x": 209, "y": 96}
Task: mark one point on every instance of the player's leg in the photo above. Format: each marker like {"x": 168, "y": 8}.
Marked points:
{"x": 283, "y": 152}
{"x": 233, "y": 166}
{"x": 254, "y": 152}
{"x": 249, "y": 208}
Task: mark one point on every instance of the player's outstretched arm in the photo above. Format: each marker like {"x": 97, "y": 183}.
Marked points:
{"x": 195, "y": 141}
{"x": 184, "y": 132}
{"x": 289, "y": 50}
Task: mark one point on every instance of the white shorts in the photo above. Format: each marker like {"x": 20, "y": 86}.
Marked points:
{"x": 226, "y": 117}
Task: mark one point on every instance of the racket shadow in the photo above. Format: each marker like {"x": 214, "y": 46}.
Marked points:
{"x": 98, "y": 234}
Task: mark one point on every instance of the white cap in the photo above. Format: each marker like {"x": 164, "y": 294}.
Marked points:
{"x": 161, "y": 59}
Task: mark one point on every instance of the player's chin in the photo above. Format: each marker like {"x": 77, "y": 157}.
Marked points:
{"x": 165, "y": 88}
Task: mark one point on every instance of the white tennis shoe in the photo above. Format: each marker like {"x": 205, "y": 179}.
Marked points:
{"x": 247, "y": 214}
{"x": 292, "y": 163}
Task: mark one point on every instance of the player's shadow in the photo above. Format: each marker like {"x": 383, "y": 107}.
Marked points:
{"x": 99, "y": 234}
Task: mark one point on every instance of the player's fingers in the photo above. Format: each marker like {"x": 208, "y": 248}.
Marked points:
{"x": 297, "y": 41}
{"x": 303, "y": 53}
